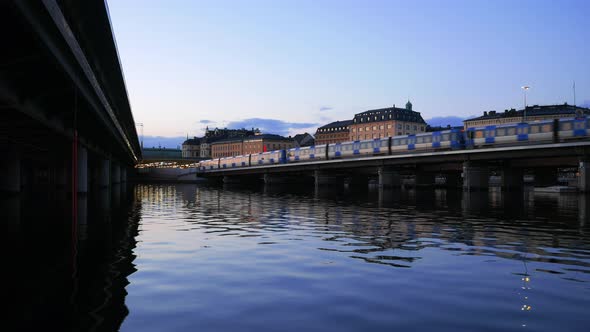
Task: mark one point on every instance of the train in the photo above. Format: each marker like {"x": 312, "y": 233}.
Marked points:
{"x": 538, "y": 132}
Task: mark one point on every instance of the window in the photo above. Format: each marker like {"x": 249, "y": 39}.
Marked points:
{"x": 389, "y": 126}
{"x": 422, "y": 128}
{"x": 399, "y": 126}
{"x": 360, "y": 129}
{"x": 407, "y": 127}
{"x": 367, "y": 128}
{"x": 415, "y": 127}
{"x": 381, "y": 127}
{"x": 374, "y": 127}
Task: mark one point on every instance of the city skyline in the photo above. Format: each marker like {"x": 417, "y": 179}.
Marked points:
{"x": 291, "y": 67}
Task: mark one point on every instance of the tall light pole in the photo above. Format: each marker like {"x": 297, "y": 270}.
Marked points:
{"x": 140, "y": 125}
{"x": 524, "y": 88}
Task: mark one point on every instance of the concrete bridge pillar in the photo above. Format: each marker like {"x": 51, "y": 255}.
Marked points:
{"x": 104, "y": 173}
{"x": 424, "y": 179}
{"x": 453, "y": 180}
{"x": 323, "y": 178}
{"x": 584, "y": 176}
{"x": 512, "y": 178}
{"x": 545, "y": 177}
{"x": 10, "y": 174}
{"x": 475, "y": 177}
{"x": 124, "y": 174}
{"x": 389, "y": 178}
{"x": 115, "y": 173}
{"x": 82, "y": 169}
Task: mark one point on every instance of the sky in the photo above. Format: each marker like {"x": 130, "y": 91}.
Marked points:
{"x": 287, "y": 67}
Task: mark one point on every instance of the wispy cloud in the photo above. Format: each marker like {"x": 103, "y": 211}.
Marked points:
{"x": 206, "y": 121}
{"x": 325, "y": 108}
{"x": 272, "y": 126}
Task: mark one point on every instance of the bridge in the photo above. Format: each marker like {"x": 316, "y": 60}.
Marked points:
{"x": 66, "y": 118}
{"x": 470, "y": 169}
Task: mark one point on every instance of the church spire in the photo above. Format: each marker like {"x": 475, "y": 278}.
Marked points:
{"x": 409, "y": 105}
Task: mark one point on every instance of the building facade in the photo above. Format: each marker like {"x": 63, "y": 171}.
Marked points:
{"x": 335, "y": 132}
{"x": 386, "y": 122}
{"x": 249, "y": 145}
{"x": 191, "y": 148}
{"x": 533, "y": 113}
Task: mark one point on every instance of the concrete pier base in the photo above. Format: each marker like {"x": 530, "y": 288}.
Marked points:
{"x": 545, "y": 177}
{"x": 10, "y": 176}
{"x": 115, "y": 173}
{"x": 453, "y": 180}
{"x": 584, "y": 176}
{"x": 512, "y": 178}
{"x": 424, "y": 179}
{"x": 82, "y": 169}
{"x": 475, "y": 177}
{"x": 104, "y": 173}
{"x": 389, "y": 178}
{"x": 322, "y": 178}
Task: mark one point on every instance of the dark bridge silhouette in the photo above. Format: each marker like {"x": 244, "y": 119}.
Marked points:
{"x": 66, "y": 119}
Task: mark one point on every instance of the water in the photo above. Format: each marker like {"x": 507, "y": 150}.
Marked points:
{"x": 187, "y": 257}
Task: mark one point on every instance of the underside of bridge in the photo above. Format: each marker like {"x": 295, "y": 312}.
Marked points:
{"x": 66, "y": 120}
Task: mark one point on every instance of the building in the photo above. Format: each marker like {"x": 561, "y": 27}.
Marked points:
{"x": 267, "y": 142}
{"x": 191, "y": 148}
{"x": 386, "y": 122}
{"x": 334, "y": 132}
{"x": 302, "y": 140}
{"x": 236, "y": 146}
{"x": 533, "y": 113}
{"x": 200, "y": 147}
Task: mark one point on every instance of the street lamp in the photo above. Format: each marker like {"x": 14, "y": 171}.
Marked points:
{"x": 524, "y": 88}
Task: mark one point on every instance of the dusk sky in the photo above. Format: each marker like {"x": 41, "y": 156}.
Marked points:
{"x": 290, "y": 66}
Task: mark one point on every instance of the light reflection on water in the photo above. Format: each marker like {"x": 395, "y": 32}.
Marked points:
{"x": 213, "y": 258}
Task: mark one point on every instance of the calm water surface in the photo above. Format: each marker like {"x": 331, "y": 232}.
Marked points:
{"x": 188, "y": 258}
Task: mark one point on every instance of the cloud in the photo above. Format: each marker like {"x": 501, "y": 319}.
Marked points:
{"x": 325, "y": 108}
{"x": 446, "y": 120}
{"x": 272, "y": 126}
{"x": 206, "y": 121}
{"x": 162, "y": 141}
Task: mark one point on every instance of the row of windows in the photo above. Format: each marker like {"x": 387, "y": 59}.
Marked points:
{"x": 383, "y": 117}
{"x": 323, "y": 130}
{"x": 399, "y": 127}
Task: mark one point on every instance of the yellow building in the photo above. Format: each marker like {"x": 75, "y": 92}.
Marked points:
{"x": 386, "y": 122}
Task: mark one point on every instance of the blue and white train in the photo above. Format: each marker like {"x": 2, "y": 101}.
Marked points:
{"x": 538, "y": 132}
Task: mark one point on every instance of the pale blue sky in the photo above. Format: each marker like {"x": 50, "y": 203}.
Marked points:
{"x": 307, "y": 63}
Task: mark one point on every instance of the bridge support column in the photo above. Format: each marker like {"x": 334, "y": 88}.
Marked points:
{"x": 124, "y": 174}
{"x": 323, "y": 178}
{"x": 115, "y": 173}
{"x": 10, "y": 176}
{"x": 584, "y": 176}
{"x": 82, "y": 169}
{"x": 424, "y": 179}
{"x": 545, "y": 177}
{"x": 104, "y": 173}
{"x": 512, "y": 178}
{"x": 475, "y": 177}
{"x": 389, "y": 178}
{"x": 453, "y": 180}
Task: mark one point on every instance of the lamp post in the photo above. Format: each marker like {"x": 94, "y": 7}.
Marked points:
{"x": 140, "y": 125}
{"x": 524, "y": 88}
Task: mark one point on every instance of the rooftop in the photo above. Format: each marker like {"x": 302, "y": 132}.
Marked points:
{"x": 534, "y": 110}
{"x": 390, "y": 113}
